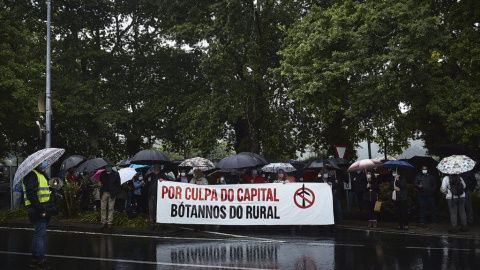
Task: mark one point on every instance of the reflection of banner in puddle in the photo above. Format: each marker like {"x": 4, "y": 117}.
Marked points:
{"x": 255, "y": 255}
{"x": 250, "y": 204}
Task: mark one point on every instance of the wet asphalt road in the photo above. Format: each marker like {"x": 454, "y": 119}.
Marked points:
{"x": 242, "y": 248}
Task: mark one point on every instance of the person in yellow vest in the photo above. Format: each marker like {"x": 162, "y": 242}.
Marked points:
{"x": 40, "y": 207}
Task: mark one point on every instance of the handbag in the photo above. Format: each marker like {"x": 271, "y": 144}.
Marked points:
{"x": 378, "y": 205}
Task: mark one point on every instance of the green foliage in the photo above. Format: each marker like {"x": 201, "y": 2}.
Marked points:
{"x": 20, "y": 212}
{"x": 388, "y": 209}
{"x": 68, "y": 201}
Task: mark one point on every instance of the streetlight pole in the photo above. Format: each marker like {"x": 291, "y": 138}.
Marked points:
{"x": 48, "y": 104}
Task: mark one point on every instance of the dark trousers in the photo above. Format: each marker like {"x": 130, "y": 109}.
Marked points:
{"x": 424, "y": 203}
{"x": 361, "y": 204}
{"x": 337, "y": 209}
{"x": 401, "y": 212}
{"x": 370, "y": 206}
{"x": 152, "y": 210}
{"x": 141, "y": 204}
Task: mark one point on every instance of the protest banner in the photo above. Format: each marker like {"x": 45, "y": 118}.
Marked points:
{"x": 247, "y": 204}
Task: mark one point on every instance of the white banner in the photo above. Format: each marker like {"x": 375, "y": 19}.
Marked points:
{"x": 246, "y": 204}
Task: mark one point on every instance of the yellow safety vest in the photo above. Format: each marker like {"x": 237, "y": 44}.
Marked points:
{"x": 43, "y": 192}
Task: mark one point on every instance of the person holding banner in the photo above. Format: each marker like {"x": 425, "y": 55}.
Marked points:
{"x": 198, "y": 178}
{"x": 157, "y": 176}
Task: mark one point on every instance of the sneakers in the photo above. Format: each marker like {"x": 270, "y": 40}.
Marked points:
{"x": 405, "y": 228}
{"x": 43, "y": 265}
{"x": 400, "y": 228}
{"x": 103, "y": 226}
{"x": 452, "y": 231}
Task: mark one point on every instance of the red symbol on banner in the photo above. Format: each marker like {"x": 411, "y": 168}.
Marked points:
{"x": 304, "y": 197}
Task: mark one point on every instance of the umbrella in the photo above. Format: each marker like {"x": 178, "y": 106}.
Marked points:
{"x": 419, "y": 161}
{"x": 126, "y": 174}
{"x": 31, "y": 162}
{"x": 454, "y": 149}
{"x": 237, "y": 162}
{"x": 340, "y": 162}
{"x": 149, "y": 157}
{"x": 94, "y": 164}
{"x": 97, "y": 175}
{"x": 124, "y": 163}
{"x": 72, "y": 161}
{"x": 212, "y": 177}
{"x": 321, "y": 163}
{"x": 364, "y": 164}
{"x": 274, "y": 167}
{"x": 456, "y": 164}
{"x": 261, "y": 160}
{"x": 397, "y": 164}
{"x": 198, "y": 163}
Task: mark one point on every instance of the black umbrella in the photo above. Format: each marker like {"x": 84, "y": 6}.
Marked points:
{"x": 261, "y": 160}
{"x": 124, "y": 163}
{"x": 150, "y": 157}
{"x": 72, "y": 161}
{"x": 451, "y": 149}
{"x": 94, "y": 164}
{"x": 237, "y": 162}
{"x": 321, "y": 163}
{"x": 340, "y": 162}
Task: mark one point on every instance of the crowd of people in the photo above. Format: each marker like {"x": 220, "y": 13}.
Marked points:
{"x": 138, "y": 196}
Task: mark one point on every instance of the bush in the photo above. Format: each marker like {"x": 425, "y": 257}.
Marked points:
{"x": 388, "y": 208}
{"x": 68, "y": 200}
{"x": 20, "y": 212}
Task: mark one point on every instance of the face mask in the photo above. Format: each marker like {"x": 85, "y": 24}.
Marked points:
{"x": 109, "y": 172}
{"x": 394, "y": 174}
{"x": 44, "y": 165}
{"x": 319, "y": 176}
{"x": 182, "y": 174}
{"x": 424, "y": 171}
{"x": 369, "y": 176}
{"x": 140, "y": 178}
{"x": 222, "y": 179}
{"x": 162, "y": 166}
{"x": 254, "y": 172}
{"x": 280, "y": 175}
{"x": 358, "y": 172}
{"x": 325, "y": 175}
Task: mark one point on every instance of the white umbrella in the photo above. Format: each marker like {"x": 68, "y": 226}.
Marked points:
{"x": 126, "y": 174}
{"x": 31, "y": 162}
{"x": 456, "y": 164}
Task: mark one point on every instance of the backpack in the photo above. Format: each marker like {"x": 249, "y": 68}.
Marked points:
{"x": 456, "y": 187}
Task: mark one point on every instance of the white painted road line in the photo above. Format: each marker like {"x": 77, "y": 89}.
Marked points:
{"x": 246, "y": 238}
{"x": 335, "y": 244}
{"x": 137, "y": 262}
{"x": 239, "y": 236}
{"x": 444, "y": 248}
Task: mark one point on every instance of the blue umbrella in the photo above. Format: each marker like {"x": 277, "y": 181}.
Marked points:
{"x": 397, "y": 164}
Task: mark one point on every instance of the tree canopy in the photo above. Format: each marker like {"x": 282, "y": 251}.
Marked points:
{"x": 272, "y": 77}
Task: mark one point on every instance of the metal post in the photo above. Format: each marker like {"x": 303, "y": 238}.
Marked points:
{"x": 11, "y": 183}
{"x": 48, "y": 105}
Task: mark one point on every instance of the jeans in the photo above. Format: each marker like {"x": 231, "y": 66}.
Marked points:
{"x": 352, "y": 196}
{"x": 457, "y": 208}
{"x": 427, "y": 202}
{"x": 40, "y": 230}
{"x": 107, "y": 201}
{"x": 337, "y": 209}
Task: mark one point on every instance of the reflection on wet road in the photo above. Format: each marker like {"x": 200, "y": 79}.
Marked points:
{"x": 315, "y": 249}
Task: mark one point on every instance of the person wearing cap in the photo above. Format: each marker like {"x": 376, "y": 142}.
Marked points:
{"x": 109, "y": 187}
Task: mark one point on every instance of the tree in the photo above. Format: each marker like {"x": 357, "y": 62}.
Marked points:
{"x": 353, "y": 64}
{"x": 21, "y": 69}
